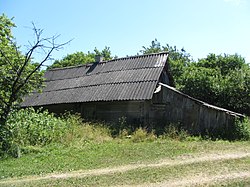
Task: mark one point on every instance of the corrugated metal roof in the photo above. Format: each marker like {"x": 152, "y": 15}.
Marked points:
{"x": 202, "y": 102}
{"x": 130, "y": 78}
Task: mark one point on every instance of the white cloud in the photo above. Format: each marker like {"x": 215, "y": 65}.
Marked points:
{"x": 235, "y": 2}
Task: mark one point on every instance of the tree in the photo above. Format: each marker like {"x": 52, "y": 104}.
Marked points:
{"x": 19, "y": 74}
{"x": 79, "y": 58}
{"x": 201, "y": 83}
{"x": 221, "y": 80}
{"x": 224, "y": 63}
{"x": 235, "y": 92}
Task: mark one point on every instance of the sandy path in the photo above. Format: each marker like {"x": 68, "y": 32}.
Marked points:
{"x": 182, "y": 160}
{"x": 200, "y": 180}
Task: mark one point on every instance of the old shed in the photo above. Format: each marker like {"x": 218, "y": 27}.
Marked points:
{"x": 139, "y": 88}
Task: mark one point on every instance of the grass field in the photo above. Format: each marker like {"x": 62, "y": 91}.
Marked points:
{"x": 102, "y": 164}
{"x": 69, "y": 152}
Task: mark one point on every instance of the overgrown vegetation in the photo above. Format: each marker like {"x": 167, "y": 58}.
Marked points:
{"x": 37, "y": 128}
{"x": 33, "y": 128}
{"x": 242, "y": 129}
{"x": 46, "y": 143}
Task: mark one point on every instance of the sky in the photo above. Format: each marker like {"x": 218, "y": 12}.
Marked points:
{"x": 200, "y": 26}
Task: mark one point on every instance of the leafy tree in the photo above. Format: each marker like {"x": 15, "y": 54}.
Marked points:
{"x": 222, "y": 80}
{"x": 235, "y": 92}
{"x": 19, "y": 74}
{"x": 79, "y": 58}
{"x": 224, "y": 63}
{"x": 200, "y": 83}
{"x": 155, "y": 47}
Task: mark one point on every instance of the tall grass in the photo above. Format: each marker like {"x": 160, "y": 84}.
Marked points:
{"x": 30, "y": 127}
{"x": 39, "y": 128}
{"x": 84, "y": 132}
{"x": 33, "y": 128}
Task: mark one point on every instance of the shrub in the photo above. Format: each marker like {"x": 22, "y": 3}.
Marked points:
{"x": 241, "y": 130}
{"x": 30, "y": 127}
{"x": 141, "y": 135}
{"x": 238, "y": 130}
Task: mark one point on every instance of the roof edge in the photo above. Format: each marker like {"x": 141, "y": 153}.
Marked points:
{"x": 116, "y": 59}
{"x": 138, "y": 56}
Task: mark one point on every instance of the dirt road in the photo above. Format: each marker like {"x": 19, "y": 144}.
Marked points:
{"x": 181, "y": 160}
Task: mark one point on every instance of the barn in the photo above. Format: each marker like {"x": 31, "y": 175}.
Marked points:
{"x": 138, "y": 88}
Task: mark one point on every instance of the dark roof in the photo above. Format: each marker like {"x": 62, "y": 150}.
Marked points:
{"x": 130, "y": 78}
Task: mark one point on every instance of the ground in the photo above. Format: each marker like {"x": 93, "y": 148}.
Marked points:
{"x": 222, "y": 166}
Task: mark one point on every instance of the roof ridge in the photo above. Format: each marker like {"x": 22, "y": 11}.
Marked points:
{"x": 70, "y": 67}
{"x": 138, "y": 56}
{"x": 116, "y": 59}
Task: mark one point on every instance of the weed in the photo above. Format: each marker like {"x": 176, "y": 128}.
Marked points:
{"x": 172, "y": 131}
{"x": 141, "y": 135}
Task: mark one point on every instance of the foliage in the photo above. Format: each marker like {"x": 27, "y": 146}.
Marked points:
{"x": 201, "y": 83}
{"x": 241, "y": 130}
{"x": 19, "y": 74}
{"x": 224, "y": 63}
{"x": 235, "y": 92}
{"x": 222, "y": 80}
{"x": 79, "y": 58}
{"x": 30, "y": 127}
{"x": 15, "y": 78}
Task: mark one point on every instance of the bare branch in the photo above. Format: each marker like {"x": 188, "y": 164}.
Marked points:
{"x": 39, "y": 44}
{"x": 55, "y": 47}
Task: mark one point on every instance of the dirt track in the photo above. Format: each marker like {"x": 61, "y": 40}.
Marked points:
{"x": 182, "y": 160}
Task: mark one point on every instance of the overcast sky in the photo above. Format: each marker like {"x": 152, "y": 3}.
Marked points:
{"x": 200, "y": 26}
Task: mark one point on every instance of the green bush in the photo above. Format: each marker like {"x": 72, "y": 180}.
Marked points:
{"x": 241, "y": 129}
{"x": 30, "y": 127}
{"x": 238, "y": 130}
